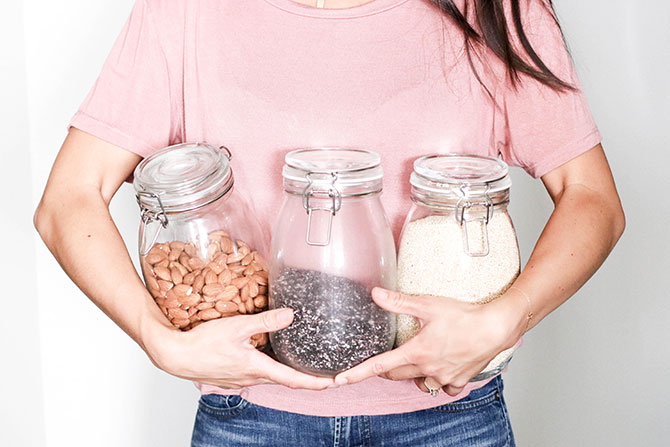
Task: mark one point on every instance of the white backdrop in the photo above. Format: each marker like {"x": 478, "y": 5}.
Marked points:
{"x": 590, "y": 374}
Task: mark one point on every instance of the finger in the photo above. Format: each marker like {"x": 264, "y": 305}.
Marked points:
{"x": 284, "y": 375}
{"x": 375, "y": 366}
{"x": 244, "y": 326}
{"x": 453, "y": 390}
{"x": 396, "y": 302}
{"x": 403, "y": 373}
{"x": 424, "y": 382}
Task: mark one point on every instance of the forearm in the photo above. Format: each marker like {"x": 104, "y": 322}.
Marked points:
{"x": 580, "y": 234}
{"x": 79, "y": 231}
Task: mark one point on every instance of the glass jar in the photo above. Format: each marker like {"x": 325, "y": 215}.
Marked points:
{"x": 331, "y": 245}
{"x": 458, "y": 240}
{"x": 201, "y": 248}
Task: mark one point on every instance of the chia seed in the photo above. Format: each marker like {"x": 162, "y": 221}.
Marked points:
{"x": 336, "y": 324}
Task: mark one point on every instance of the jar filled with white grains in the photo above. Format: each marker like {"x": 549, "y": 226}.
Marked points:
{"x": 458, "y": 240}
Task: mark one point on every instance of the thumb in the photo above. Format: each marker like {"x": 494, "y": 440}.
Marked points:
{"x": 399, "y": 303}
{"x": 268, "y": 321}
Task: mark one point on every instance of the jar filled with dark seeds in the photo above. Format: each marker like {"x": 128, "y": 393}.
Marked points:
{"x": 331, "y": 245}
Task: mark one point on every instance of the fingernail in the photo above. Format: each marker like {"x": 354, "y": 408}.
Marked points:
{"x": 285, "y": 316}
{"x": 381, "y": 293}
{"x": 340, "y": 381}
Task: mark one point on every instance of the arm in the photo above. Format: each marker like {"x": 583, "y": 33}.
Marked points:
{"x": 459, "y": 339}
{"x": 74, "y": 222}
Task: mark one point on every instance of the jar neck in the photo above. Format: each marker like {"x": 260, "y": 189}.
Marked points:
{"x": 451, "y": 203}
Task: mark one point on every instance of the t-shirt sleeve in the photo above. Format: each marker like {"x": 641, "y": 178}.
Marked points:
{"x": 543, "y": 129}
{"x": 130, "y": 104}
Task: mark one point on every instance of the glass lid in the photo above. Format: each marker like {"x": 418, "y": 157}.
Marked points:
{"x": 458, "y": 174}
{"x": 351, "y": 171}
{"x": 182, "y": 177}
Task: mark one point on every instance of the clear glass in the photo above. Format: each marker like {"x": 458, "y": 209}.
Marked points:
{"x": 458, "y": 240}
{"x": 204, "y": 261}
{"x": 328, "y": 285}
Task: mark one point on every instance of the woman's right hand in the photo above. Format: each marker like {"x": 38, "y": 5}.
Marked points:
{"x": 219, "y": 353}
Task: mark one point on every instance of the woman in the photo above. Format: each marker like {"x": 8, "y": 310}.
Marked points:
{"x": 401, "y": 77}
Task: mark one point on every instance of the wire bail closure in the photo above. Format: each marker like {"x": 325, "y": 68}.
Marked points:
{"x": 336, "y": 203}
{"x": 148, "y": 216}
{"x": 466, "y": 217}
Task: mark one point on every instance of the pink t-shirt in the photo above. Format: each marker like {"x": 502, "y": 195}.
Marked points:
{"x": 263, "y": 77}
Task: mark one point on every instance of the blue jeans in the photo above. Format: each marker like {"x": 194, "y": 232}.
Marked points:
{"x": 480, "y": 420}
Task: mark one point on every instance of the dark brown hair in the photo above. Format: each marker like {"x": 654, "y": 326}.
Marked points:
{"x": 490, "y": 28}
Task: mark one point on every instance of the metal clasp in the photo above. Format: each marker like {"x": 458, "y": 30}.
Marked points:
{"x": 466, "y": 216}
{"x": 336, "y": 203}
{"x": 148, "y": 217}
{"x": 229, "y": 154}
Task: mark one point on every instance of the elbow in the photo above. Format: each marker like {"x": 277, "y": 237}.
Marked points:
{"x": 42, "y": 220}
{"x": 618, "y": 223}
{"x": 38, "y": 220}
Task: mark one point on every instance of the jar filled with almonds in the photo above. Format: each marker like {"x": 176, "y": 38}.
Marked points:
{"x": 201, "y": 247}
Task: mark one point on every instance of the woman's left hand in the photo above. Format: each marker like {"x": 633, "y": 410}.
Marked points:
{"x": 456, "y": 341}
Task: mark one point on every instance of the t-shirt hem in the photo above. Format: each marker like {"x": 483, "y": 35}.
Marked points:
{"x": 110, "y": 134}
{"x": 283, "y": 401}
{"x": 565, "y": 154}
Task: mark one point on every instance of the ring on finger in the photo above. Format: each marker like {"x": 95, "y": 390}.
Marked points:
{"x": 433, "y": 391}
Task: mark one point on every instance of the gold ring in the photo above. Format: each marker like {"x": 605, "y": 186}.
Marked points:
{"x": 433, "y": 391}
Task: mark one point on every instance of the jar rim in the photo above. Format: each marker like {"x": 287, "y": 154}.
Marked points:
{"x": 182, "y": 177}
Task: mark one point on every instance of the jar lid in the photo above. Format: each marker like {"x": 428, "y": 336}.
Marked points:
{"x": 182, "y": 177}
{"x": 350, "y": 171}
{"x": 458, "y": 175}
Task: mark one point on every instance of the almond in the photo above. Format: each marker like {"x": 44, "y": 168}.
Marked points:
{"x": 177, "y": 245}
{"x": 155, "y": 256}
{"x": 211, "y": 278}
{"x": 260, "y": 280}
{"x": 237, "y": 269}
{"x": 225, "y": 277}
{"x": 178, "y": 313}
{"x": 164, "y": 285}
{"x": 191, "y": 300}
{"x": 190, "y": 250}
{"x": 247, "y": 259}
{"x": 212, "y": 289}
{"x": 249, "y": 304}
{"x": 209, "y": 314}
{"x": 225, "y": 307}
{"x": 183, "y": 260}
{"x": 152, "y": 283}
{"x": 227, "y": 245}
{"x": 261, "y": 301}
{"x": 228, "y": 293}
{"x": 244, "y": 293}
{"x": 181, "y": 323}
{"x": 176, "y": 275}
{"x": 216, "y": 268}
{"x": 204, "y": 305}
{"x": 196, "y": 263}
{"x": 235, "y": 257}
{"x": 198, "y": 282}
{"x": 240, "y": 282}
{"x": 182, "y": 290}
{"x": 188, "y": 278}
{"x": 243, "y": 248}
{"x": 253, "y": 288}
